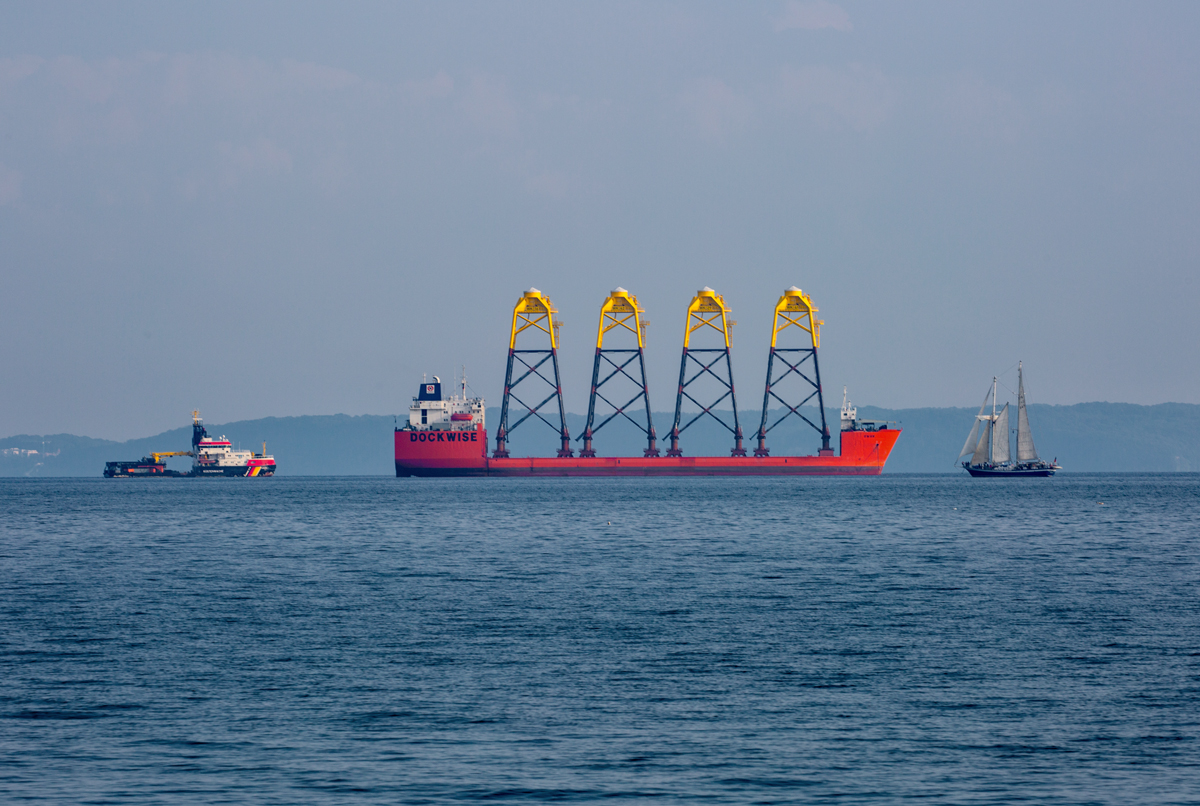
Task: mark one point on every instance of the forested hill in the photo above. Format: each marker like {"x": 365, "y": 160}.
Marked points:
{"x": 1085, "y": 437}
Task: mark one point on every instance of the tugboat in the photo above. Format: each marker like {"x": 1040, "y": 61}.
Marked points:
{"x": 216, "y": 457}
{"x": 210, "y": 457}
{"x": 988, "y": 443}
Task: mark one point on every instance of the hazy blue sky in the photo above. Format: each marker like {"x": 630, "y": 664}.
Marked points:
{"x": 276, "y": 209}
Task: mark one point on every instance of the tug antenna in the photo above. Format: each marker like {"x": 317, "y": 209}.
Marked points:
{"x": 619, "y": 312}
{"x": 533, "y": 312}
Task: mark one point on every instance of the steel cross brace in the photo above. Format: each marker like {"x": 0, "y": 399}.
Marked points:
{"x": 823, "y": 429}
{"x": 619, "y": 410}
{"x": 533, "y": 411}
{"x": 618, "y": 369}
{"x": 794, "y": 410}
{"x": 735, "y": 429}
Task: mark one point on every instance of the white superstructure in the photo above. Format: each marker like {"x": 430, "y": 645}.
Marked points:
{"x": 431, "y": 412}
{"x": 220, "y": 453}
{"x": 217, "y": 456}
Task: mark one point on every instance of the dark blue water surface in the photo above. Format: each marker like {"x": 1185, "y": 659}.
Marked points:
{"x": 380, "y": 640}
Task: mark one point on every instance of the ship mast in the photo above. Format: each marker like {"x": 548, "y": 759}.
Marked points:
{"x": 1021, "y": 413}
{"x": 992, "y": 424}
{"x": 1026, "y": 452}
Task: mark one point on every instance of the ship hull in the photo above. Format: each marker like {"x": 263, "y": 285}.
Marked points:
{"x": 863, "y": 453}
{"x": 139, "y": 470}
{"x": 258, "y": 471}
{"x": 134, "y": 470}
{"x": 997, "y": 473}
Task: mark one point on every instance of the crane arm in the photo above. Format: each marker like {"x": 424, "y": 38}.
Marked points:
{"x": 158, "y": 457}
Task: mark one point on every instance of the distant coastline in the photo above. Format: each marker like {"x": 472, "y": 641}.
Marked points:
{"x": 1085, "y": 437}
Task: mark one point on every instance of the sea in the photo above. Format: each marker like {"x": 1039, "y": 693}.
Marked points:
{"x": 894, "y": 640}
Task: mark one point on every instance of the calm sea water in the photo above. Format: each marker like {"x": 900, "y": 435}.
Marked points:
{"x": 381, "y": 640}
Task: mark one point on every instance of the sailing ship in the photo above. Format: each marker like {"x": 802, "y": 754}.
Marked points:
{"x": 988, "y": 444}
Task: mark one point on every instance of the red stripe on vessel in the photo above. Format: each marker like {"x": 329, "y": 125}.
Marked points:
{"x": 421, "y": 453}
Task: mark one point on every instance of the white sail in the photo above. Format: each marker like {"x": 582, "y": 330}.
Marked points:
{"x": 972, "y": 440}
{"x": 1026, "y": 452}
{"x": 1000, "y": 444}
{"x": 973, "y": 437}
{"x": 981, "y": 450}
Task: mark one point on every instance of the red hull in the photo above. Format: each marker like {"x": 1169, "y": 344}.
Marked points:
{"x": 422, "y": 453}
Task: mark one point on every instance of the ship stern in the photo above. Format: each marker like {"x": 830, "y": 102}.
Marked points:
{"x": 441, "y": 452}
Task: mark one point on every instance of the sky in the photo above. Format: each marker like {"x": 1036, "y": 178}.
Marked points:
{"x": 273, "y": 209}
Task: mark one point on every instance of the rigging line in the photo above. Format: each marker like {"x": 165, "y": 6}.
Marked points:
{"x": 1010, "y": 368}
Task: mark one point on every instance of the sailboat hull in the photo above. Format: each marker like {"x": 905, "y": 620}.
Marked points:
{"x": 1009, "y": 472}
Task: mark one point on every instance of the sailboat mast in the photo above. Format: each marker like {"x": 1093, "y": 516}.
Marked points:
{"x": 1026, "y": 451}
{"x": 992, "y": 424}
{"x": 1020, "y": 406}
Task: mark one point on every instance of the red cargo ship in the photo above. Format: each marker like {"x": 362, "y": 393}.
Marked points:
{"x": 437, "y": 453}
{"x": 446, "y": 436}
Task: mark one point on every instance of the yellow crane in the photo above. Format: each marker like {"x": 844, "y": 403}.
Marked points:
{"x": 158, "y": 457}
